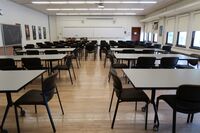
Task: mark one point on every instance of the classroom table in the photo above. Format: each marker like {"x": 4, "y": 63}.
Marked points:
{"x": 134, "y": 57}
{"x": 136, "y": 49}
{"x": 161, "y": 79}
{"x": 14, "y": 81}
{"x": 49, "y": 57}
{"x": 42, "y": 50}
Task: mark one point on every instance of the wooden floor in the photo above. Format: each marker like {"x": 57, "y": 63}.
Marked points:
{"x": 86, "y": 108}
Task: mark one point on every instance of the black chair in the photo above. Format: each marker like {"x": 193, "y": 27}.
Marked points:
{"x": 191, "y": 63}
{"x": 186, "y": 101}
{"x": 145, "y": 62}
{"x": 106, "y": 51}
{"x": 16, "y": 49}
{"x": 168, "y": 62}
{"x": 128, "y": 95}
{"x": 51, "y": 51}
{"x": 32, "y": 52}
{"x": 32, "y": 64}
{"x": 128, "y": 51}
{"x": 90, "y": 48}
{"x": 158, "y": 46}
{"x": 39, "y": 97}
{"x": 67, "y": 66}
{"x": 166, "y": 48}
{"x": 148, "y": 51}
{"x": 76, "y": 55}
{"x": 115, "y": 64}
{"x": 8, "y": 64}
{"x": 29, "y": 46}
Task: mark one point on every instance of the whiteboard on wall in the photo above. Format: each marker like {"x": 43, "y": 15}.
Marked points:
{"x": 94, "y": 32}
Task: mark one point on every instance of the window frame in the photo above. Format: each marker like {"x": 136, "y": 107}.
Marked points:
{"x": 192, "y": 41}
{"x": 149, "y": 36}
{"x": 177, "y": 40}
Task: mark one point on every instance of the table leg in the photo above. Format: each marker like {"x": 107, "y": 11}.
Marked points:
{"x": 9, "y": 104}
{"x": 156, "y": 120}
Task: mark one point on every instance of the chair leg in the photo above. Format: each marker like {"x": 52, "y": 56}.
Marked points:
{"x": 174, "y": 122}
{"x": 36, "y": 109}
{"x": 17, "y": 119}
{"x": 146, "y": 117}
{"x": 50, "y": 117}
{"x": 59, "y": 101}
{"x": 77, "y": 63}
{"x": 191, "y": 118}
{"x": 105, "y": 62}
{"x": 113, "y": 122}
{"x": 188, "y": 118}
{"x": 73, "y": 72}
{"x": 70, "y": 76}
{"x": 111, "y": 100}
{"x": 136, "y": 106}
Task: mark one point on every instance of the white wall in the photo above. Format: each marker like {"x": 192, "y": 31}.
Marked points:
{"x": 57, "y": 23}
{"x": 14, "y": 13}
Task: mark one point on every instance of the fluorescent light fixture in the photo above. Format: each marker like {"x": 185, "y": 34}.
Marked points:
{"x": 94, "y": 9}
{"x": 96, "y": 14}
{"x": 94, "y": 2}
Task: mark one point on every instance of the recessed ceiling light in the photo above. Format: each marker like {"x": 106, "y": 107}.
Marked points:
{"x": 84, "y": 14}
{"x": 94, "y": 2}
{"x": 95, "y": 9}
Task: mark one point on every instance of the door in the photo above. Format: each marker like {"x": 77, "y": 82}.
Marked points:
{"x": 136, "y": 33}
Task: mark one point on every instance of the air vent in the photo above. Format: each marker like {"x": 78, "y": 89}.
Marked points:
{"x": 100, "y": 18}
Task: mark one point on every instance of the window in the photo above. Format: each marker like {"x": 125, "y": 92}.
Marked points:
{"x": 145, "y": 36}
{"x": 196, "y": 39}
{"x": 170, "y": 37}
{"x": 149, "y": 37}
{"x": 155, "y": 37}
{"x": 181, "y": 39}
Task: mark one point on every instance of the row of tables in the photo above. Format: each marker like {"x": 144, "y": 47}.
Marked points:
{"x": 14, "y": 81}
{"x": 158, "y": 79}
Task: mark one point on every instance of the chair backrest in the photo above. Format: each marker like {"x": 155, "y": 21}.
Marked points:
{"x": 117, "y": 84}
{"x": 48, "y": 86}
{"x": 51, "y": 51}
{"x": 146, "y": 62}
{"x": 148, "y": 51}
{"x": 128, "y": 51}
{"x": 7, "y": 64}
{"x": 32, "y": 52}
{"x": 167, "y": 48}
{"x": 111, "y": 58}
{"x": 190, "y": 93}
{"x": 68, "y": 61}
{"x": 168, "y": 62}
{"x": 32, "y": 63}
{"x": 157, "y": 46}
{"x": 29, "y": 46}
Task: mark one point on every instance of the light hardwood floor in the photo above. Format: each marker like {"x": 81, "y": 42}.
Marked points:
{"x": 86, "y": 107}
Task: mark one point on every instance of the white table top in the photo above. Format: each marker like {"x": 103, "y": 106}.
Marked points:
{"x": 158, "y": 56}
{"x": 42, "y": 57}
{"x": 162, "y": 78}
{"x": 43, "y": 49}
{"x": 13, "y": 81}
{"x": 136, "y": 49}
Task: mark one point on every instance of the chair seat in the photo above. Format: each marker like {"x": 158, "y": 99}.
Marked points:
{"x": 131, "y": 94}
{"x": 184, "y": 67}
{"x": 180, "y": 105}
{"x": 31, "y": 97}
{"x": 120, "y": 65}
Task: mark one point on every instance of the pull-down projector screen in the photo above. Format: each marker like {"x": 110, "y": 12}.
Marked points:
{"x": 94, "y": 32}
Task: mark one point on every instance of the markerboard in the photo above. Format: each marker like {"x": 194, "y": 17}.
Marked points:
{"x": 94, "y": 32}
